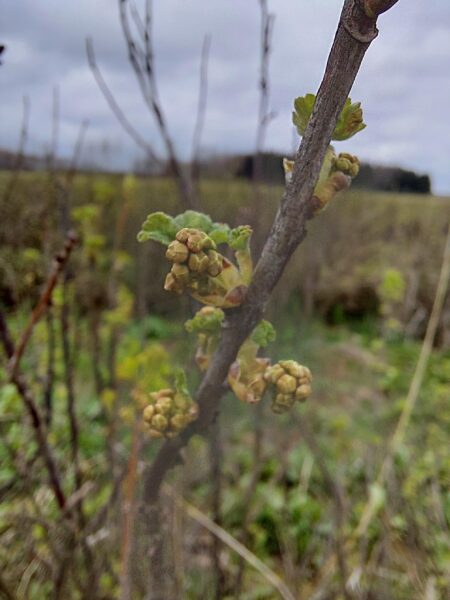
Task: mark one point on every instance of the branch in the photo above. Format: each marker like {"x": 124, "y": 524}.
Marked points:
{"x": 354, "y": 34}
{"x": 45, "y": 299}
{"x": 114, "y": 106}
{"x": 374, "y": 8}
{"x": 142, "y": 61}
{"x": 36, "y": 419}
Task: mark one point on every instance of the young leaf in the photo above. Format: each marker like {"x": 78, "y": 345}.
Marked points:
{"x": 158, "y": 227}
{"x": 194, "y": 220}
{"x": 220, "y": 233}
{"x": 263, "y": 334}
{"x": 349, "y": 123}
{"x": 239, "y": 237}
{"x": 303, "y": 109}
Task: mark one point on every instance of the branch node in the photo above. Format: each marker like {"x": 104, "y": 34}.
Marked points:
{"x": 358, "y": 24}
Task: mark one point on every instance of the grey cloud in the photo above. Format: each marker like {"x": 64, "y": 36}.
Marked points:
{"x": 404, "y": 83}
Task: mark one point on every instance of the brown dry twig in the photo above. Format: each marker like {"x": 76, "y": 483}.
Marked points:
{"x": 58, "y": 265}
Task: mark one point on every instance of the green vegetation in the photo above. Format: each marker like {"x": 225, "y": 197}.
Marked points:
{"x": 351, "y": 306}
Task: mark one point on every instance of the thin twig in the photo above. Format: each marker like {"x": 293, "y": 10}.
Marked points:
{"x": 232, "y": 543}
{"x": 38, "y": 425}
{"x": 44, "y": 301}
{"x": 142, "y": 61}
{"x": 201, "y": 109}
{"x": 114, "y": 106}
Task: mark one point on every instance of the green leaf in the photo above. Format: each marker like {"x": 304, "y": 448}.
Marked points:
{"x": 207, "y": 320}
{"x": 181, "y": 382}
{"x": 158, "y": 227}
{"x": 303, "y": 106}
{"x": 194, "y": 220}
{"x": 219, "y": 233}
{"x": 349, "y": 123}
{"x": 263, "y": 334}
{"x": 239, "y": 237}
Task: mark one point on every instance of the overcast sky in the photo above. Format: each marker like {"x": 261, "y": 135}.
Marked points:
{"x": 404, "y": 83}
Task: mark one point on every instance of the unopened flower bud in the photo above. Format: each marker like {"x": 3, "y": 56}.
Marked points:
{"x": 177, "y": 252}
{"x": 290, "y": 383}
{"x": 198, "y": 263}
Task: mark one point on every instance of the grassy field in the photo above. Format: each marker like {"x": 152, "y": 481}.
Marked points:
{"x": 353, "y": 306}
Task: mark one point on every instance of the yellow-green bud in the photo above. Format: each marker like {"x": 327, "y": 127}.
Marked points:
{"x": 198, "y": 263}
{"x": 291, "y": 383}
{"x": 148, "y": 413}
{"x": 172, "y": 284}
{"x": 177, "y": 252}
{"x": 287, "y": 384}
{"x": 215, "y": 265}
{"x": 159, "y": 422}
{"x": 181, "y": 273}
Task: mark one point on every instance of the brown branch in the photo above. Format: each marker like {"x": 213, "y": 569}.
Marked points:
{"x": 36, "y": 419}
{"x": 354, "y": 34}
{"x": 142, "y": 61}
{"x": 45, "y": 299}
{"x": 114, "y": 106}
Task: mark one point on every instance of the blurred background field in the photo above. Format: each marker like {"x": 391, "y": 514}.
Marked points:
{"x": 353, "y": 305}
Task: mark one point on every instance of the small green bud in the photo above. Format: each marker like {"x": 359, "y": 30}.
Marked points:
{"x": 181, "y": 273}
{"x": 302, "y": 392}
{"x": 290, "y": 383}
{"x": 159, "y": 422}
{"x": 214, "y": 264}
{"x": 172, "y": 284}
{"x": 148, "y": 413}
{"x": 198, "y": 263}
{"x": 347, "y": 163}
{"x": 177, "y": 252}
{"x": 287, "y": 384}
{"x": 274, "y": 373}
{"x": 163, "y": 406}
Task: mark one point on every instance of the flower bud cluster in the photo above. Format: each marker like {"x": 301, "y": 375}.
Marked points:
{"x": 347, "y": 164}
{"x": 194, "y": 257}
{"x": 291, "y": 382}
{"x": 169, "y": 412}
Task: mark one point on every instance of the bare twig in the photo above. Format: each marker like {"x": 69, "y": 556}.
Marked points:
{"x": 45, "y": 299}
{"x": 201, "y": 110}
{"x": 142, "y": 61}
{"x": 114, "y": 106}
{"x": 264, "y": 116}
{"x": 36, "y": 420}
{"x": 353, "y": 37}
